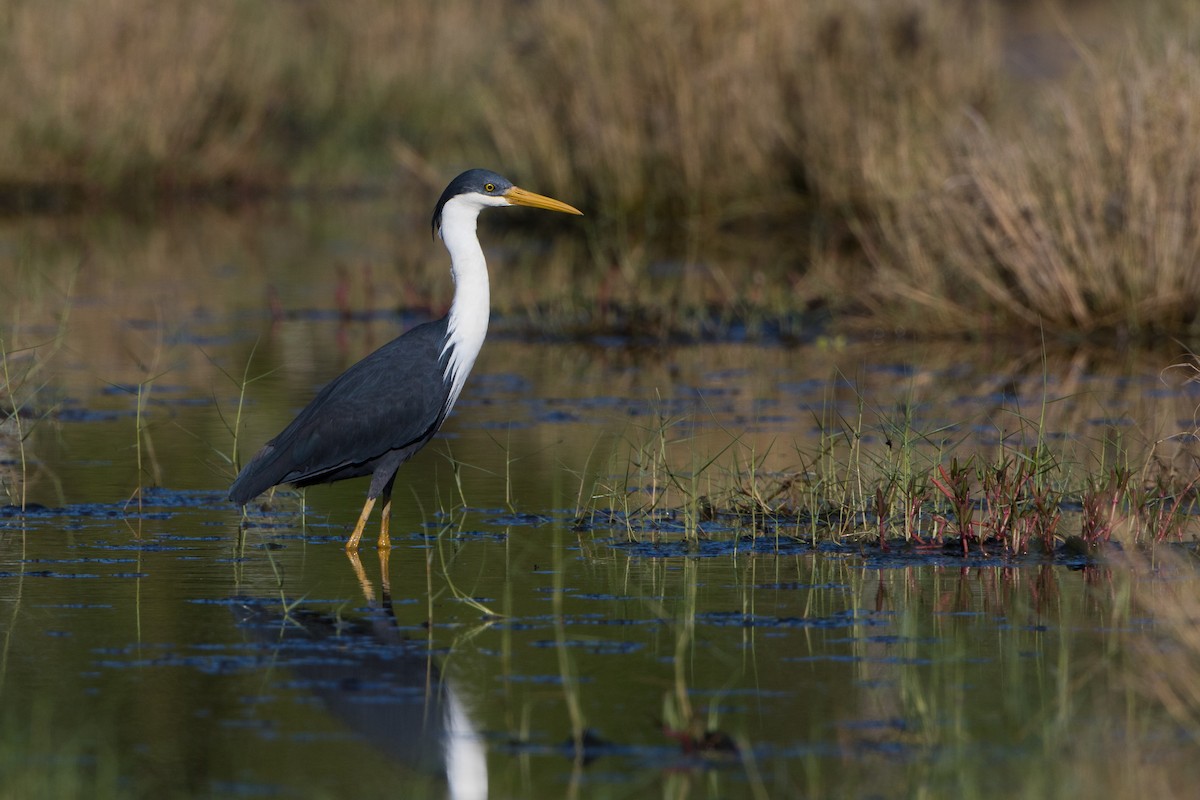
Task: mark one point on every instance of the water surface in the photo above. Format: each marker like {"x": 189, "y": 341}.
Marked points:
{"x": 157, "y": 644}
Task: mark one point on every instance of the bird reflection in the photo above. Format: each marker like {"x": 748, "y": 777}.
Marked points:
{"x": 381, "y": 685}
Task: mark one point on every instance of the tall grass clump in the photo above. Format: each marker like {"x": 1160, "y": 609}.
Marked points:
{"x": 667, "y": 118}
{"x": 882, "y": 476}
{"x": 888, "y": 152}
{"x": 111, "y": 92}
{"x": 705, "y": 113}
{"x": 874, "y": 92}
{"x": 645, "y": 107}
{"x": 116, "y": 96}
{"x": 1083, "y": 218}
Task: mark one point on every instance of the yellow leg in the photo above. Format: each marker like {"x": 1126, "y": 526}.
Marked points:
{"x": 352, "y": 543}
{"x": 385, "y": 521}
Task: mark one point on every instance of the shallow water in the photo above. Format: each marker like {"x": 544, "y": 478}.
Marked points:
{"x": 152, "y": 645}
{"x": 273, "y": 664}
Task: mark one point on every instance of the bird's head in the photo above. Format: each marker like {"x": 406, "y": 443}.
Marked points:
{"x": 480, "y": 188}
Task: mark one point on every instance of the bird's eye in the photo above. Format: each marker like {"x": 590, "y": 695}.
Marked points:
{"x": 489, "y": 187}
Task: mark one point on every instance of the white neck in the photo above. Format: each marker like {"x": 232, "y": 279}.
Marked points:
{"x": 472, "y": 294}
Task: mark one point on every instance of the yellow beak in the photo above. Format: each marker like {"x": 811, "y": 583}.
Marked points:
{"x": 519, "y": 197}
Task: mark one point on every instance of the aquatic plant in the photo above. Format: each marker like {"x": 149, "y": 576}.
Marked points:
{"x": 21, "y": 389}
{"x": 12, "y": 435}
{"x": 1015, "y": 502}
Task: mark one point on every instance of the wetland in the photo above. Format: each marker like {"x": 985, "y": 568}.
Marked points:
{"x": 846, "y": 448}
{"x": 629, "y": 566}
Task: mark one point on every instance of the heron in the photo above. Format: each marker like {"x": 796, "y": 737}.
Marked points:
{"x": 382, "y": 410}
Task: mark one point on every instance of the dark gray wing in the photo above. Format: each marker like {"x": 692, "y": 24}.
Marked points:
{"x": 392, "y": 399}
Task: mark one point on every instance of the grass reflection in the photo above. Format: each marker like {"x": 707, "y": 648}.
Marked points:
{"x": 830, "y": 673}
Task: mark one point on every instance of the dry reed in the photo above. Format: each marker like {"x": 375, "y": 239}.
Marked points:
{"x": 892, "y": 139}
{"x": 1085, "y": 221}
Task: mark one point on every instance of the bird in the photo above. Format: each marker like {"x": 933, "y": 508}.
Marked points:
{"x": 382, "y": 410}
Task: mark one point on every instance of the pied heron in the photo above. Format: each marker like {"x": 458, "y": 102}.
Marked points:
{"x": 378, "y": 413}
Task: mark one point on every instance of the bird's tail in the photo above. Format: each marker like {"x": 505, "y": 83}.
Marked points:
{"x": 254, "y": 479}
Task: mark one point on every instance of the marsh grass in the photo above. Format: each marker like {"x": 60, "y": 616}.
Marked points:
{"x": 646, "y": 484}
{"x": 234, "y": 427}
{"x": 12, "y": 437}
{"x": 892, "y": 156}
{"x": 877, "y": 480}
{"x": 445, "y": 533}
{"x": 1083, "y": 221}
{"x": 711, "y": 111}
{"x": 1017, "y": 505}
{"x": 200, "y": 97}
{"x": 21, "y": 392}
